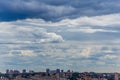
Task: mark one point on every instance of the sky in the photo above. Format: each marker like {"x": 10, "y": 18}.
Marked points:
{"x": 80, "y": 35}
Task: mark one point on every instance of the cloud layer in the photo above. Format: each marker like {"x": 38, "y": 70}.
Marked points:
{"x": 55, "y": 10}
{"x": 11, "y": 33}
{"x": 84, "y": 43}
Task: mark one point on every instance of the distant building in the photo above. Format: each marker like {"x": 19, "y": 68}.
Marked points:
{"x": 16, "y": 72}
{"x": 24, "y": 71}
{"x": 57, "y": 70}
{"x": 62, "y": 71}
{"x": 31, "y": 71}
{"x": 7, "y": 71}
{"x": 116, "y": 76}
{"x": 47, "y": 70}
{"x": 11, "y": 72}
{"x": 52, "y": 71}
{"x": 68, "y": 71}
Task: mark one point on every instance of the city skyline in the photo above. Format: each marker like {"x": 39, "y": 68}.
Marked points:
{"x": 57, "y": 74}
{"x": 80, "y": 35}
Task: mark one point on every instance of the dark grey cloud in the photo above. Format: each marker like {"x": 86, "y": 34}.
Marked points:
{"x": 55, "y": 10}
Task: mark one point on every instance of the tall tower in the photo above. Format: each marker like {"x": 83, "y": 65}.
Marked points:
{"x": 47, "y": 70}
{"x": 24, "y": 71}
{"x": 116, "y": 76}
{"x": 7, "y": 71}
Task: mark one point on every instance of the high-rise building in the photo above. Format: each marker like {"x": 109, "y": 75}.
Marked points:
{"x": 16, "y": 72}
{"x": 62, "y": 71}
{"x": 11, "y": 72}
{"x": 47, "y": 70}
{"x": 31, "y": 71}
{"x": 24, "y": 71}
{"x": 116, "y": 76}
{"x": 57, "y": 70}
{"x": 68, "y": 71}
{"x": 7, "y": 71}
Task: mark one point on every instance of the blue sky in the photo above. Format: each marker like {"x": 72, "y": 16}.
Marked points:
{"x": 80, "y": 35}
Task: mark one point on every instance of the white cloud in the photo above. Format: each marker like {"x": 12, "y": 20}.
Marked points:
{"x": 89, "y": 30}
{"x": 82, "y": 24}
{"x": 20, "y": 53}
{"x": 52, "y": 37}
{"x": 25, "y": 34}
{"x": 108, "y": 56}
{"x": 76, "y": 53}
{"x": 27, "y": 53}
{"x": 104, "y": 20}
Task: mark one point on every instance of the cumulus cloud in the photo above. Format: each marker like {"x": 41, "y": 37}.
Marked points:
{"x": 52, "y": 37}
{"x": 22, "y": 34}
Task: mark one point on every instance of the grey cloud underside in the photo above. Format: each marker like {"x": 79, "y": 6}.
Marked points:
{"x": 53, "y": 10}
